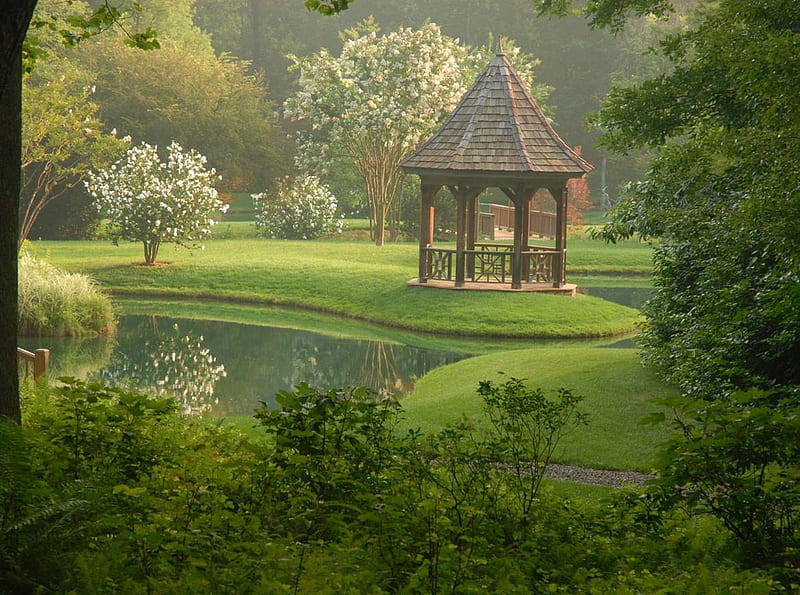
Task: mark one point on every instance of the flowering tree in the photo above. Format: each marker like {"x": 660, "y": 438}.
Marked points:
{"x": 151, "y": 201}
{"x": 301, "y": 208}
{"x": 62, "y": 139}
{"x": 378, "y": 100}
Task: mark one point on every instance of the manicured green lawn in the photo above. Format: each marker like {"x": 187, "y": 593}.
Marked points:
{"x": 618, "y": 393}
{"x": 353, "y": 279}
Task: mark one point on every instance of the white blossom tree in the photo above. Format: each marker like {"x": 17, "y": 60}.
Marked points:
{"x": 157, "y": 202}
{"x": 379, "y": 99}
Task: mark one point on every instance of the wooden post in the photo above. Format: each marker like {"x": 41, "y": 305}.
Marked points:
{"x": 41, "y": 363}
{"x": 559, "y": 266}
{"x": 461, "y": 230}
{"x": 471, "y": 198}
{"x": 519, "y": 228}
{"x": 426, "y": 220}
{"x": 472, "y": 231}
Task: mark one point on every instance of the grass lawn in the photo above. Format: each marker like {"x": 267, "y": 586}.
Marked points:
{"x": 618, "y": 393}
{"x": 357, "y": 280}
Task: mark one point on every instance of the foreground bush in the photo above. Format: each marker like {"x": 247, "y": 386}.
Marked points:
{"x": 54, "y": 302}
{"x": 300, "y": 209}
{"x": 111, "y": 491}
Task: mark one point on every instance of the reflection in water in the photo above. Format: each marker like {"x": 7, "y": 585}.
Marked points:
{"x": 168, "y": 362}
{"x": 227, "y": 369}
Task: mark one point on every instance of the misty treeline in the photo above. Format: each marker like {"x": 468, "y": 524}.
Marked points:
{"x": 218, "y": 82}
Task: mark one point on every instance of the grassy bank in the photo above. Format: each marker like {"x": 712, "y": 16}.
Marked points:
{"x": 618, "y": 393}
{"x": 359, "y": 281}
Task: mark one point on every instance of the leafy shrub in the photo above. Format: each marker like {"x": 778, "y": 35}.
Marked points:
{"x": 54, "y": 302}
{"x": 737, "y": 459}
{"x": 301, "y": 208}
{"x": 109, "y": 490}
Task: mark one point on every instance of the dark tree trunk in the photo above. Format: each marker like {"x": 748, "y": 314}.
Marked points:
{"x": 16, "y": 15}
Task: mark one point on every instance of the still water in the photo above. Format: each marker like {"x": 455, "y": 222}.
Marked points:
{"x": 226, "y": 369}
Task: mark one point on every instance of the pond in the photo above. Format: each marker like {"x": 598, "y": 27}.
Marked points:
{"x": 226, "y": 369}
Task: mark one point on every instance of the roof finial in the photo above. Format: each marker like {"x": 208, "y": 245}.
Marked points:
{"x": 499, "y": 50}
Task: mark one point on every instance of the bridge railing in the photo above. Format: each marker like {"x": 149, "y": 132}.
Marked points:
{"x": 35, "y": 363}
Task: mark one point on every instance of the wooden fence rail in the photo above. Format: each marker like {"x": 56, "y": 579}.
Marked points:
{"x": 36, "y": 362}
{"x": 541, "y": 224}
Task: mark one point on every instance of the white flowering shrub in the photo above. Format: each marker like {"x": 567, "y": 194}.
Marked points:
{"x": 153, "y": 201}
{"x": 300, "y": 208}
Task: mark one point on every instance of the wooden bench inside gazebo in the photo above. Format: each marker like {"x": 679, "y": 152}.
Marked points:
{"x": 496, "y": 137}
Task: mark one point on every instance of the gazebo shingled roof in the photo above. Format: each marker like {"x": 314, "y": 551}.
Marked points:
{"x": 497, "y": 136}
{"x": 497, "y": 128}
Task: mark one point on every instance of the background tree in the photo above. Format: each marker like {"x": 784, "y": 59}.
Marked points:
{"x": 378, "y": 100}
{"x": 62, "y": 140}
{"x": 209, "y": 102}
{"x": 300, "y": 208}
{"x": 157, "y": 202}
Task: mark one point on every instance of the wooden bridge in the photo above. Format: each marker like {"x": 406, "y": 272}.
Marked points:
{"x": 501, "y": 217}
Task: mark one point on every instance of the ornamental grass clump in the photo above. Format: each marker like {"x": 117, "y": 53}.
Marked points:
{"x": 301, "y": 208}
{"x": 53, "y": 302}
{"x": 152, "y": 201}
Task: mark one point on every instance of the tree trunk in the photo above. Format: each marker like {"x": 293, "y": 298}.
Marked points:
{"x": 151, "y": 251}
{"x": 13, "y": 25}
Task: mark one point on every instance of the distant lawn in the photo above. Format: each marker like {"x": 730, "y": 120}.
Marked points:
{"x": 617, "y": 389}
{"x": 360, "y": 281}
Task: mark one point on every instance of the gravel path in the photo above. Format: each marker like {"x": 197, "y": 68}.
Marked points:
{"x": 601, "y": 477}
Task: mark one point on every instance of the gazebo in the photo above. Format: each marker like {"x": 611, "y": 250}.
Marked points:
{"x": 497, "y": 137}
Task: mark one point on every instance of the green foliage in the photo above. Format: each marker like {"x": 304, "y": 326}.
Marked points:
{"x": 327, "y": 7}
{"x": 77, "y": 24}
{"x": 737, "y": 459}
{"x": 232, "y": 121}
{"x": 97, "y": 429}
{"x": 527, "y": 428}
{"x": 722, "y": 198}
{"x": 329, "y": 449}
{"x": 55, "y": 302}
{"x": 299, "y": 208}
{"x": 332, "y": 499}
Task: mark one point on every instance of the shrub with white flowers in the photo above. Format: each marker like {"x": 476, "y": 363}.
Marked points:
{"x": 300, "y": 208}
{"x": 157, "y": 202}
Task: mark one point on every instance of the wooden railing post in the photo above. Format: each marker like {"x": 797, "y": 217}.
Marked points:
{"x": 41, "y": 363}
{"x": 39, "y": 358}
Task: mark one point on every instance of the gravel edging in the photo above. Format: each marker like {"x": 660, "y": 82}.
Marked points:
{"x": 601, "y": 477}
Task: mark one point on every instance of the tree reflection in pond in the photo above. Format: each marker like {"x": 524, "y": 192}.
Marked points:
{"x": 169, "y": 363}
{"x": 227, "y": 369}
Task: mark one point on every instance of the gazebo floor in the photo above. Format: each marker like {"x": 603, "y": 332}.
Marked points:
{"x": 566, "y": 289}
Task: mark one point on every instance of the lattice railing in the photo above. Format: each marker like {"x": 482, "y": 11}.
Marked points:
{"x": 439, "y": 263}
{"x": 490, "y": 266}
{"x": 492, "y": 263}
{"x": 541, "y": 265}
